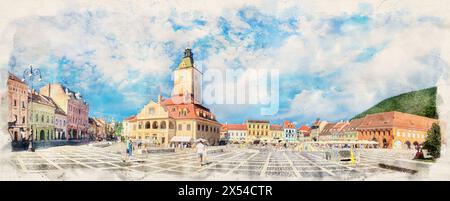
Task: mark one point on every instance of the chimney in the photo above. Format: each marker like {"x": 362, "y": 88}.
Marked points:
{"x": 160, "y": 98}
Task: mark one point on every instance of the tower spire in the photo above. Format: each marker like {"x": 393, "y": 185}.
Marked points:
{"x": 188, "y": 59}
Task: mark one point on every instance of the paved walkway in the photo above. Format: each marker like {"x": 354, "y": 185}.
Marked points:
{"x": 234, "y": 162}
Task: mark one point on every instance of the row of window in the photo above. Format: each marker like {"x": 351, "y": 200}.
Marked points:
{"x": 77, "y": 120}
{"x": 155, "y": 125}
{"x": 60, "y": 122}
{"x": 42, "y": 118}
{"x": 409, "y": 134}
{"x": 373, "y": 133}
{"x": 76, "y": 110}
{"x": 22, "y": 105}
{"x": 162, "y": 125}
{"x": 18, "y": 90}
{"x": 258, "y": 126}
{"x": 206, "y": 128}
{"x": 259, "y": 133}
{"x": 17, "y": 120}
{"x": 235, "y": 134}
{"x": 291, "y": 131}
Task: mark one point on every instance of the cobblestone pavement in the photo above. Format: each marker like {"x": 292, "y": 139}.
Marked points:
{"x": 254, "y": 164}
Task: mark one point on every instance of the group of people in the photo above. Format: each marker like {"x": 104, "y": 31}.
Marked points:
{"x": 200, "y": 146}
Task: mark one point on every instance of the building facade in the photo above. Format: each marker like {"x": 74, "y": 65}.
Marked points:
{"x": 304, "y": 133}
{"x": 42, "y": 117}
{"x": 337, "y": 132}
{"x": 17, "y": 100}
{"x": 350, "y": 131}
{"x": 180, "y": 119}
{"x": 60, "y": 123}
{"x": 98, "y": 129}
{"x": 128, "y": 125}
{"x": 316, "y": 129}
{"x": 235, "y": 133}
{"x": 258, "y": 131}
{"x": 395, "y": 129}
{"x": 75, "y": 107}
{"x": 290, "y": 131}
{"x": 326, "y": 133}
{"x": 277, "y": 133}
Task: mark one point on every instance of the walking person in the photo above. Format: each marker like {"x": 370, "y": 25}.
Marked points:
{"x": 201, "y": 150}
{"x": 129, "y": 147}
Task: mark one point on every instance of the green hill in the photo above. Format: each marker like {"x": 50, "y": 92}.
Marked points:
{"x": 421, "y": 102}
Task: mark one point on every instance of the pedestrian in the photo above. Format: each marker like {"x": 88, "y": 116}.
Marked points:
{"x": 201, "y": 149}
{"x": 129, "y": 145}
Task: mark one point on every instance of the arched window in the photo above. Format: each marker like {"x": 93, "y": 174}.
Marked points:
{"x": 171, "y": 125}
{"x": 155, "y": 125}
{"x": 147, "y": 125}
{"x": 140, "y": 125}
{"x": 163, "y": 125}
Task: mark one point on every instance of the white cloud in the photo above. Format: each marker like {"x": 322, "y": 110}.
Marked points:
{"x": 140, "y": 31}
{"x": 313, "y": 104}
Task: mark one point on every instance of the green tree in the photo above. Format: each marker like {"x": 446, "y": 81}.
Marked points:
{"x": 433, "y": 141}
{"x": 118, "y": 129}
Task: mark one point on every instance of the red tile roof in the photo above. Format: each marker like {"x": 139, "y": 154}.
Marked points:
{"x": 327, "y": 129}
{"x": 275, "y": 127}
{"x": 227, "y": 127}
{"x": 353, "y": 125}
{"x": 288, "y": 124}
{"x": 178, "y": 108}
{"x": 304, "y": 128}
{"x": 132, "y": 118}
{"x": 397, "y": 120}
{"x": 339, "y": 126}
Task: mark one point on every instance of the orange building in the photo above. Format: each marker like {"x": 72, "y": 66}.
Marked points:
{"x": 304, "y": 133}
{"x": 395, "y": 129}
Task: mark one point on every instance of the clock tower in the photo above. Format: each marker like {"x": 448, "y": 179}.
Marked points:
{"x": 188, "y": 79}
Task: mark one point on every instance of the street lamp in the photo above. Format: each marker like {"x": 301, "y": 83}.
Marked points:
{"x": 30, "y": 74}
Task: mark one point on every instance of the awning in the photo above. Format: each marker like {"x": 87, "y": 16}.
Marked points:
{"x": 181, "y": 139}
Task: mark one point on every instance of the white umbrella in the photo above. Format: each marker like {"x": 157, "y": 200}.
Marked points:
{"x": 200, "y": 140}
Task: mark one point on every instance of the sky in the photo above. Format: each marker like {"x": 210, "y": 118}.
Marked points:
{"x": 334, "y": 59}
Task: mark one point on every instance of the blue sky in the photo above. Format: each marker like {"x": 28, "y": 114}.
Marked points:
{"x": 332, "y": 64}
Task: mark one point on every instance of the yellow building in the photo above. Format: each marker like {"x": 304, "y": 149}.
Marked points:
{"x": 181, "y": 119}
{"x": 258, "y": 131}
{"x": 42, "y": 117}
{"x": 276, "y": 133}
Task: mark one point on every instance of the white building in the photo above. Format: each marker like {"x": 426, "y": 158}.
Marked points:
{"x": 235, "y": 132}
{"x": 290, "y": 131}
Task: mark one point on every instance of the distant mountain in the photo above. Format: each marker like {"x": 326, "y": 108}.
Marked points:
{"x": 421, "y": 102}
